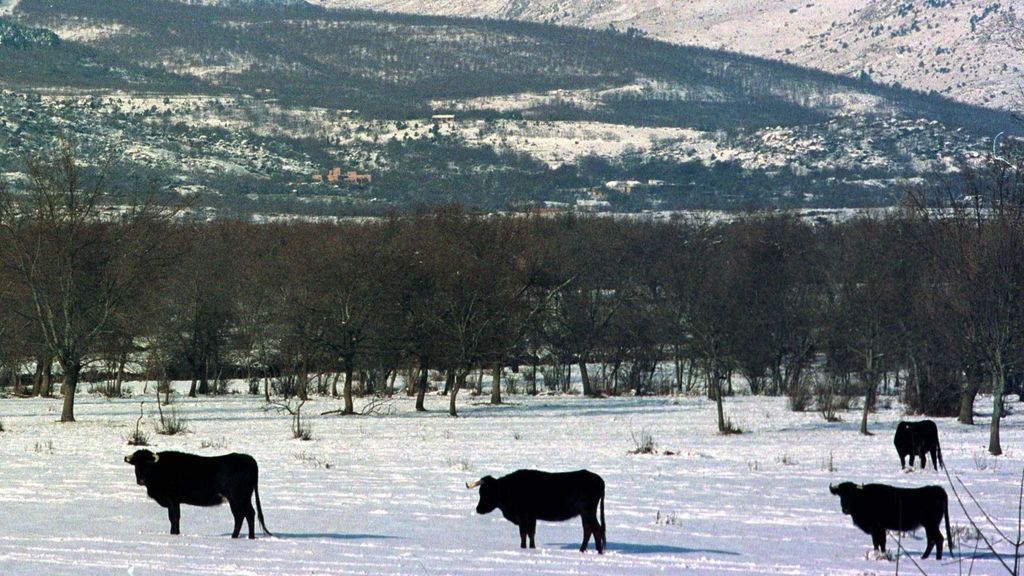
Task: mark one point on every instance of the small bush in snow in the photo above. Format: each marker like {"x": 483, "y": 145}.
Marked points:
{"x": 171, "y": 424}
{"x": 731, "y": 428}
{"x": 643, "y": 442}
{"x": 303, "y": 431}
{"x": 1, "y": 425}
{"x": 800, "y": 396}
{"x": 828, "y": 463}
{"x": 669, "y": 519}
{"x": 138, "y": 437}
{"x": 219, "y": 444}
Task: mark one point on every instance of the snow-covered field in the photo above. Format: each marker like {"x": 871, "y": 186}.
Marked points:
{"x": 386, "y": 495}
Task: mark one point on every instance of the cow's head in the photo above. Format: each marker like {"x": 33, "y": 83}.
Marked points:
{"x": 488, "y": 494}
{"x": 143, "y": 461}
{"x": 848, "y": 493}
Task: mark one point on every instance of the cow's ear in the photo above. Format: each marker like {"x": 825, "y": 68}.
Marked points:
{"x": 128, "y": 459}
{"x": 832, "y": 489}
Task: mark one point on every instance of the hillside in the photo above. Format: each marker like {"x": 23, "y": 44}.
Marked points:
{"x": 959, "y": 48}
{"x": 249, "y": 106}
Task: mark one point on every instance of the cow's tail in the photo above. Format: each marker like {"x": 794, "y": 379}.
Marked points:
{"x": 938, "y": 449}
{"x": 259, "y": 508}
{"x": 949, "y": 533}
{"x": 604, "y": 532}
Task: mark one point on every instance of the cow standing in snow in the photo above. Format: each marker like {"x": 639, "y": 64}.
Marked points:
{"x": 918, "y": 439}
{"x": 176, "y": 478}
{"x": 876, "y": 508}
{"x": 526, "y": 496}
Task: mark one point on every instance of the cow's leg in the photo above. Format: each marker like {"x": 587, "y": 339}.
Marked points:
{"x": 934, "y": 536}
{"x": 250, "y": 517}
{"x": 523, "y": 532}
{"x": 239, "y": 514}
{"x": 935, "y": 460}
{"x": 924, "y": 458}
{"x": 592, "y": 526}
{"x": 903, "y": 461}
{"x": 878, "y": 539}
{"x": 174, "y": 514}
{"x": 531, "y": 530}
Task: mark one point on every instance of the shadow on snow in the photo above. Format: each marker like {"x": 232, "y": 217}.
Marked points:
{"x": 327, "y": 536}
{"x": 628, "y": 548}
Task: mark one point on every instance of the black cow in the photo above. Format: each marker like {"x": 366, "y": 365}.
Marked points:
{"x": 526, "y": 496}
{"x": 876, "y": 508}
{"x": 918, "y": 439}
{"x": 176, "y": 478}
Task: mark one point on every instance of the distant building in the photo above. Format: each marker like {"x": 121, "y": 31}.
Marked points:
{"x": 443, "y": 118}
{"x": 358, "y": 179}
{"x": 336, "y": 176}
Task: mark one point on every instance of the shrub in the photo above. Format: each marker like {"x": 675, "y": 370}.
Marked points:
{"x": 172, "y": 424}
{"x": 643, "y": 442}
{"x": 800, "y": 396}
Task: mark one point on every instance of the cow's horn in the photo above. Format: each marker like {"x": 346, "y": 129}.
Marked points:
{"x": 471, "y": 485}
{"x": 128, "y": 459}
{"x": 832, "y": 488}
{"x": 156, "y": 458}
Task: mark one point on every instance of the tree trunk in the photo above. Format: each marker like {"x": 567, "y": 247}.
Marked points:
{"x": 870, "y": 386}
{"x": 195, "y": 378}
{"x": 303, "y": 387}
{"x": 968, "y": 395}
{"x": 496, "y": 384}
{"x": 998, "y": 382}
{"x": 334, "y": 384}
{"x": 449, "y": 380}
{"x": 44, "y": 377}
{"x": 719, "y": 404}
{"x": 16, "y": 379}
{"x": 37, "y": 378}
{"x": 119, "y": 380}
{"x": 585, "y": 378}
{"x": 71, "y": 373}
{"x": 460, "y": 379}
{"x": 347, "y": 390}
{"x": 204, "y": 378}
{"x": 421, "y": 389}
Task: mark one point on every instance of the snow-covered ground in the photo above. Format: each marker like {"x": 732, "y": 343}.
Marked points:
{"x": 963, "y": 50}
{"x": 7, "y": 6}
{"x": 386, "y": 495}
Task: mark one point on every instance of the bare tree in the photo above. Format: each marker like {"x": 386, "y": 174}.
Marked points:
{"x": 82, "y": 270}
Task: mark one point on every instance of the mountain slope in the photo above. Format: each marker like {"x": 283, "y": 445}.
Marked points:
{"x": 253, "y": 106}
{"x": 959, "y": 48}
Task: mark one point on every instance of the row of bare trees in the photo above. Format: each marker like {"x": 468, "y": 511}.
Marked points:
{"x": 929, "y": 297}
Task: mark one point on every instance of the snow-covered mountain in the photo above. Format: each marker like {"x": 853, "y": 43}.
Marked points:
{"x": 960, "y": 48}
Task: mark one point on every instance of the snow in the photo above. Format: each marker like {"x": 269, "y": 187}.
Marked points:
{"x": 386, "y": 495}
{"x": 86, "y": 32}
{"x": 8, "y": 6}
{"x": 963, "y": 50}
